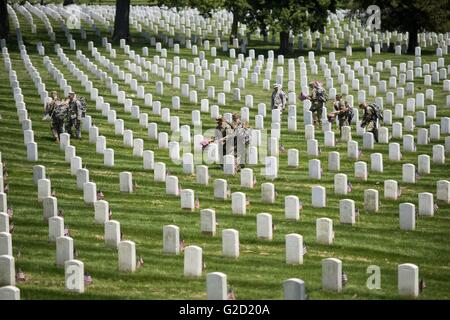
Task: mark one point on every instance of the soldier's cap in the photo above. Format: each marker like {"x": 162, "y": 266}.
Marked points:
{"x": 71, "y": 93}
{"x": 276, "y": 86}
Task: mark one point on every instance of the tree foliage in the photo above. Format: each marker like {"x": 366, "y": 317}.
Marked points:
{"x": 411, "y": 16}
{"x": 4, "y": 20}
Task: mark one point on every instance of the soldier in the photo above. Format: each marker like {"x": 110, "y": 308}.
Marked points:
{"x": 75, "y": 113}
{"x": 343, "y": 111}
{"x": 50, "y": 104}
{"x": 318, "y": 98}
{"x": 372, "y": 115}
{"x": 58, "y": 115}
{"x": 241, "y": 139}
{"x": 278, "y": 97}
{"x": 54, "y": 111}
{"x": 223, "y": 136}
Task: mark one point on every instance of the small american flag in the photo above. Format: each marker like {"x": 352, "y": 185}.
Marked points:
{"x": 349, "y": 187}
{"x": 87, "y": 279}
{"x": 231, "y": 295}
{"x": 204, "y": 266}
{"x": 182, "y": 245}
{"x": 435, "y": 207}
{"x": 10, "y": 212}
{"x": 359, "y": 153}
{"x": 305, "y": 248}
{"x": 247, "y": 201}
{"x": 254, "y": 181}
{"x": 344, "y": 279}
{"x": 417, "y": 176}
{"x": 20, "y": 276}
{"x": 110, "y": 214}
{"x": 197, "y": 202}
{"x": 100, "y": 195}
{"x": 66, "y": 231}
{"x": 422, "y": 285}
{"x": 140, "y": 262}
{"x": 11, "y": 228}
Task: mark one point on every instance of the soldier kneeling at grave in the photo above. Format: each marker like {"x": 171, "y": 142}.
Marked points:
{"x": 371, "y": 118}
{"x": 343, "y": 111}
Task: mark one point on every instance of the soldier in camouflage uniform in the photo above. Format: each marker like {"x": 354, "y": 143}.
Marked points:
{"x": 372, "y": 115}
{"x": 278, "y": 98}
{"x": 52, "y": 110}
{"x": 75, "y": 113}
{"x": 59, "y": 114}
{"x": 343, "y": 111}
{"x": 318, "y": 98}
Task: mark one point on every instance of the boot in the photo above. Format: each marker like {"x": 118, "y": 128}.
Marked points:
{"x": 55, "y": 135}
{"x": 375, "y": 134}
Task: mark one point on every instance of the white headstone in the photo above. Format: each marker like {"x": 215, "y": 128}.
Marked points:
{"x": 216, "y": 286}
{"x": 332, "y": 275}
{"x": 64, "y": 250}
{"x": 193, "y": 261}
{"x": 407, "y": 216}
{"x": 230, "y": 243}
{"x": 74, "y": 276}
{"x": 347, "y": 211}
{"x": 238, "y": 203}
{"x": 8, "y": 271}
{"x": 127, "y": 256}
{"x": 426, "y": 204}
{"x": 264, "y": 226}
{"x": 408, "y": 280}
{"x": 171, "y": 239}
{"x": 112, "y": 234}
{"x": 294, "y": 248}
{"x": 318, "y": 197}
{"x": 371, "y": 200}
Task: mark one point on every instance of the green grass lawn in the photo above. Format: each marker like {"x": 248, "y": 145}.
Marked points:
{"x": 260, "y": 270}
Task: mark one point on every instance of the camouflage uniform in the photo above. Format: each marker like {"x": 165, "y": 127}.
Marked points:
{"x": 58, "y": 116}
{"x": 56, "y": 110}
{"x": 225, "y": 139}
{"x": 74, "y": 117}
{"x": 318, "y": 100}
{"x": 344, "y": 117}
{"x": 278, "y": 99}
{"x": 369, "y": 121}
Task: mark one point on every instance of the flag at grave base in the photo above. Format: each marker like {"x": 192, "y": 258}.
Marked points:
{"x": 87, "y": 279}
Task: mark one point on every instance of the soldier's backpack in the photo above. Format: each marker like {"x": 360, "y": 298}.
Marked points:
{"x": 60, "y": 112}
{"x": 83, "y": 106}
{"x": 377, "y": 111}
{"x": 322, "y": 94}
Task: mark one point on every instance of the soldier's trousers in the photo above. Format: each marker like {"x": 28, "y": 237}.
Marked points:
{"x": 317, "y": 114}
{"x": 372, "y": 127}
{"x": 57, "y": 128}
{"x": 74, "y": 123}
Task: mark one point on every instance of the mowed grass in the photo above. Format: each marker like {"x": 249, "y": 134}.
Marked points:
{"x": 261, "y": 269}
